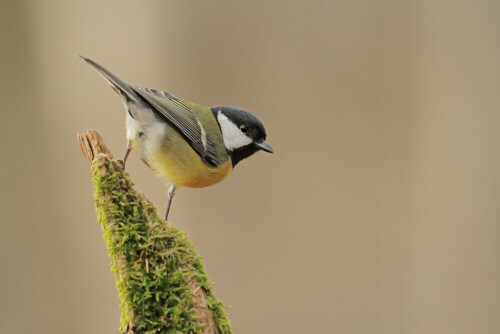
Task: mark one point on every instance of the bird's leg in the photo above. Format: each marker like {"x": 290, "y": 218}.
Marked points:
{"x": 129, "y": 148}
{"x": 171, "y": 194}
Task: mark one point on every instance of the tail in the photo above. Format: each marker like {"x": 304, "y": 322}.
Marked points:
{"x": 118, "y": 85}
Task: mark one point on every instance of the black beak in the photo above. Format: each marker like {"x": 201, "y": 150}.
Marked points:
{"x": 263, "y": 145}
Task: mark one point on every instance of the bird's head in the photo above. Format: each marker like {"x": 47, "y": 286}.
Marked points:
{"x": 242, "y": 132}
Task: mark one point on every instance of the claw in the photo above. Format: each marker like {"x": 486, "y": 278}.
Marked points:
{"x": 129, "y": 148}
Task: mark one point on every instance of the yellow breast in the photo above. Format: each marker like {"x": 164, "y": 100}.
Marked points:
{"x": 175, "y": 160}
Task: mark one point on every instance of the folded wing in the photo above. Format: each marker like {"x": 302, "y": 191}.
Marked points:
{"x": 179, "y": 115}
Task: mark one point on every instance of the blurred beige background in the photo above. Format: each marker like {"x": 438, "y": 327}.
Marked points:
{"x": 378, "y": 213}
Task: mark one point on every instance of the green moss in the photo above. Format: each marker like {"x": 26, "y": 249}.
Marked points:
{"x": 153, "y": 263}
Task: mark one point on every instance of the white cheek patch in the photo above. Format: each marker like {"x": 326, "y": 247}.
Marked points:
{"x": 232, "y": 135}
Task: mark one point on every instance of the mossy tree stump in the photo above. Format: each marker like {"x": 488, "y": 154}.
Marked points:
{"x": 160, "y": 278}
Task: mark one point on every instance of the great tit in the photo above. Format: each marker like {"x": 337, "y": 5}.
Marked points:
{"x": 182, "y": 142}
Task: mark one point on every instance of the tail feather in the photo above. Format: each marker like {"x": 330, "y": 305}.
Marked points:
{"x": 118, "y": 85}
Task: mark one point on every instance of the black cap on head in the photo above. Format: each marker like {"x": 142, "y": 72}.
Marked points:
{"x": 250, "y": 126}
{"x": 240, "y": 117}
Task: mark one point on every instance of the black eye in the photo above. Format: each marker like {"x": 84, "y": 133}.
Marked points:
{"x": 243, "y": 128}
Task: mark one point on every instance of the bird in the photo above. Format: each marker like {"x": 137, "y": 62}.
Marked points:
{"x": 185, "y": 144}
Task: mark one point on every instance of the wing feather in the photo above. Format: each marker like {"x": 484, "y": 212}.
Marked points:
{"x": 181, "y": 117}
